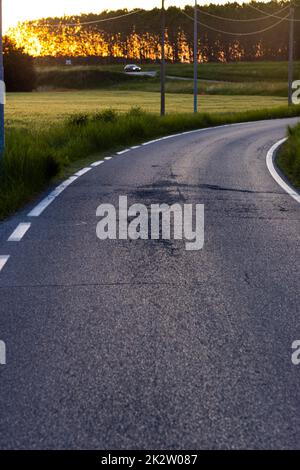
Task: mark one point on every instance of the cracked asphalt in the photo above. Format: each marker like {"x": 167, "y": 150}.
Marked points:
{"x": 141, "y": 344}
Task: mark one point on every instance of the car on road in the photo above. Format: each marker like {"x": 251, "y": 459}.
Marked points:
{"x": 132, "y": 68}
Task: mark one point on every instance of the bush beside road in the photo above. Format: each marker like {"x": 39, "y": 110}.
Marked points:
{"x": 289, "y": 156}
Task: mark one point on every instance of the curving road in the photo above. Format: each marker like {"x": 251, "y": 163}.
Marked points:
{"x": 141, "y": 344}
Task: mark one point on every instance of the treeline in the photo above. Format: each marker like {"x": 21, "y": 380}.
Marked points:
{"x": 137, "y": 36}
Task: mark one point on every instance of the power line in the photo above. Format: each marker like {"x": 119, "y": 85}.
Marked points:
{"x": 59, "y": 25}
{"x": 274, "y": 15}
{"x": 237, "y": 34}
{"x": 266, "y": 16}
{"x": 264, "y": 12}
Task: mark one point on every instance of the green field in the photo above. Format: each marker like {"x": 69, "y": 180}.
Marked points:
{"x": 238, "y": 71}
{"x": 255, "y": 78}
{"x": 209, "y": 88}
{"x": 43, "y": 108}
{"x": 233, "y": 72}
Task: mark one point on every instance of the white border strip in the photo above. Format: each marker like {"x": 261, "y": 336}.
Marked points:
{"x": 97, "y": 163}
{"x": 83, "y": 171}
{"x": 50, "y": 198}
{"x": 270, "y": 160}
{"x": 3, "y": 261}
{"x": 19, "y": 232}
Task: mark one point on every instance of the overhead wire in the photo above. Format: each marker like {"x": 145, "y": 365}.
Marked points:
{"x": 274, "y": 15}
{"x": 266, "y": 16}
{"x": 231, "y": 33}
{"x": 86, "y": 23}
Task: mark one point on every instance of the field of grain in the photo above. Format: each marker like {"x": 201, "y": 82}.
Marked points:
{"x": 44, "y": 108}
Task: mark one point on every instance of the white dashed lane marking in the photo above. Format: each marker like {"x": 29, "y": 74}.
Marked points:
{"x": 3, "y": 261}
{"x": 83, "y": 171}
{"x": 37, "y": 210}
{"x": 19, "y": 232}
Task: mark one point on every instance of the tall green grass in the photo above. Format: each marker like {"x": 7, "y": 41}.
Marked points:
{"x": 289, "y": 156}
{"x": 33, "y": 157}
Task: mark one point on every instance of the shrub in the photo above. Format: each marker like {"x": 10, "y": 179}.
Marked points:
{"x": 79, "y": 119}
{"x": 107, "y": 115}
{"x": 19, "y": 71}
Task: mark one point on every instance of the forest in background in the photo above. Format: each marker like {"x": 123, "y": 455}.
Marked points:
{"x": 137, "y": 36}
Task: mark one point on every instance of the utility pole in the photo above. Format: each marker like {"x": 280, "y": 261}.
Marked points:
{"x": 2, "y": 87}
{"x": 163, "y": 62}
{"x": 291, "y": 53}
{"x": 195, "y": 59}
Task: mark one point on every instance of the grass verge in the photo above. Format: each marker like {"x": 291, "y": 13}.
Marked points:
{"x": 288, "y": 158}
{"x": 34, "y": 157}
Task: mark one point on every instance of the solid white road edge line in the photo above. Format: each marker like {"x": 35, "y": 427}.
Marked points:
{"x": 270, "y": 160}
{"x": 3, "y": 261}
{"x": 19, "y": 232}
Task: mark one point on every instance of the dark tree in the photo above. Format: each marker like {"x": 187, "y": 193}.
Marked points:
{"x": 19, "y": 71}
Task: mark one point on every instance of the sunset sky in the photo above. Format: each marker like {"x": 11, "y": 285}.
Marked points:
{"x": 19, "y": 10}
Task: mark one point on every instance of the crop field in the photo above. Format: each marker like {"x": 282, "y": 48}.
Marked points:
{"x": 44, "y": 108}
{"x": 232, "y": 72}
{"x": 247, "y": 79}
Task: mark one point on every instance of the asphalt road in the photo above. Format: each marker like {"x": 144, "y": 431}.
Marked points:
{"x": 141, "y": 344}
